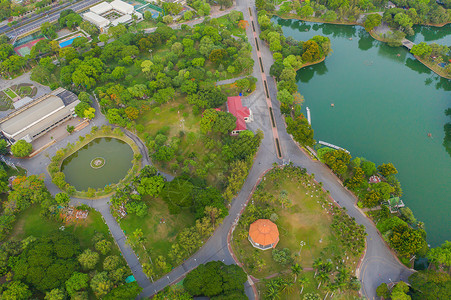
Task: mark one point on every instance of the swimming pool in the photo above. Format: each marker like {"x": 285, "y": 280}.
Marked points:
{"x": 68, "y": 42}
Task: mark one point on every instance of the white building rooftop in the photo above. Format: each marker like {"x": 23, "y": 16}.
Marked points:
{"x": 122, "y": 7}
{"x": 121, "y": 20}
{"x": 97, "y": 20}
{"x": 101, "y": 8}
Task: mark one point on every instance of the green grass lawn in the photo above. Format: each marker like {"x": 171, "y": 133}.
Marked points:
{"x": 10, "y": 93}
{"x": 5, "y": 104}
{"x": 30, "y": 222}
{"x": 25, "y": 90}
{"x": 159, "y": 236}
{"x": 179, "y": 117}
{"x": 145, "y": 24}
{"x": 305, "y": 219}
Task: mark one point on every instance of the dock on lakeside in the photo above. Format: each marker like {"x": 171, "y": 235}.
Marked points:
{"x": 332, "y": 146}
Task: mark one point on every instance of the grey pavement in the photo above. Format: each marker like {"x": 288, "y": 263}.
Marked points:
{"x": 24, "y": 78}
{"x": 228, "y": 81}
{"x": 50, "y": 17}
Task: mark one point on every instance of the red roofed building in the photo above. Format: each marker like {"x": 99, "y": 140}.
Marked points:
{"x": 243, "y": 114}
{"x": 263, "y": 234}
{"x": 374, "y": 179}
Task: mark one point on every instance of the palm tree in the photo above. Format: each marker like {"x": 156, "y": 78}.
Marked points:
{"x": 317, "y": 263}
{"x": 296, "y": 269}
{"x": 287, "y": 286}
{"x": 272, "y": 292}
{"x": 329, "y": 288}
{"x": 303, "y": 281}
{"x": 327, "y": 266}
{"x": 322, "y": 277}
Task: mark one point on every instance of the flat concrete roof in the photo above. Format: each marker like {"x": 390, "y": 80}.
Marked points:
{"x": 99, "y": 21}
{"x": 101, "y": 8}
{"x": 32, "y": 114}
{"x": 123, "y": 7}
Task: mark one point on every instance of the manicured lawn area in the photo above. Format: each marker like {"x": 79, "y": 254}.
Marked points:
{"x": 178, "y": 116}
{"x": 304, "y": 221}
{"x": 306, "y": 217}
{"x": 25, "y": 90}
{"x": 159, "y": 236}
{"x": 145, "y": 24}
{"x": 170, "y": 114}
{"x": 10, "y": 93}
{"x": 30, "y": 222}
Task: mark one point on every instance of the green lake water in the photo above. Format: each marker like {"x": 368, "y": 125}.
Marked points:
{"x": 385, "y": 106}
{"x": 116, "y": 154}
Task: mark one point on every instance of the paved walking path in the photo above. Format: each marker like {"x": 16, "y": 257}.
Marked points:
{"x": 228, "y": 81}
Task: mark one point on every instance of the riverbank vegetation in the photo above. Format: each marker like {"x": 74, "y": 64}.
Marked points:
{"x": 431, "y": 283}
{"x": 289, "y": 56}
{"x": 400, "y": 19}
{"x": 314, "y": 235}
{"x": 402, "y": 16}
{"x": 436, "y": 57}
{"x": 58, "y": 177}
{"x": 379, "y": 190}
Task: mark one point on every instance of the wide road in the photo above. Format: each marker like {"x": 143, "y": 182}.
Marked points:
{"x": 48, "y": 17}
{"x": 32, "y": 17}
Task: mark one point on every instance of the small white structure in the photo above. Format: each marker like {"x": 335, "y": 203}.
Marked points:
{"x": 121, "y": 20}
{"x": 390, "y": 5}
{"x": 120, "y": 6}
{"x": 97, "y": 20}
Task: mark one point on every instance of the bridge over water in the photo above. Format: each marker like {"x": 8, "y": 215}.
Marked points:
{"x": 408, "y": 44}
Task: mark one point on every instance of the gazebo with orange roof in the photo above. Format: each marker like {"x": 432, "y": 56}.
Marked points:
{"x": 263, "y": 234}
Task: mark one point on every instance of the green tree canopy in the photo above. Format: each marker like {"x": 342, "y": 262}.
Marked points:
{"x": 301, "y": 130}
{"x": 214, "y": 279}
{"x": 371, "y": 21}
{"x": 21, "y": 148}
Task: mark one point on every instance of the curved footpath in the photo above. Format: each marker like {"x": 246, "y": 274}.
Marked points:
{"x": 379, "y": 264}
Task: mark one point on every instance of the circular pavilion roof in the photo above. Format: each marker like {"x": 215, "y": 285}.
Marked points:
{"x": 264, "y": 232}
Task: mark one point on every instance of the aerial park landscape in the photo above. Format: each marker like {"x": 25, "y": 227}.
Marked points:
{"x": 231, "y": 150}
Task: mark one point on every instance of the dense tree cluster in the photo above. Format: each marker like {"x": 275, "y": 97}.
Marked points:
{"x": 434, "y": 54}
{"x": 217, "y": 280}
{"x": 403, "y": 16}
{"x": 21, "y": 148}
{"x": 55, "y": 266}
{"x": 404, "y": 235}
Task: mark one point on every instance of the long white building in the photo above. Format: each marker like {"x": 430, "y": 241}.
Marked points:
{"x": 107, "y": 14}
